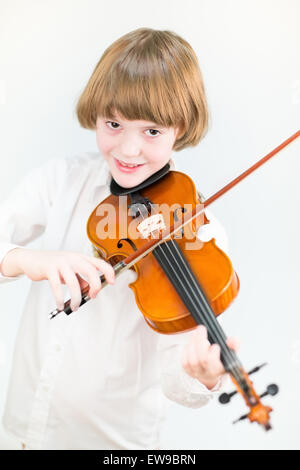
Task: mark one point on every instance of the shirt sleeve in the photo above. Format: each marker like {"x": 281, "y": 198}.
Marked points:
{"x": 176, "y": 384}
{"x": 24, "y": 213}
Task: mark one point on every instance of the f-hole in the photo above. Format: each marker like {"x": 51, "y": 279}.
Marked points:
{"x": 120, "y": 244}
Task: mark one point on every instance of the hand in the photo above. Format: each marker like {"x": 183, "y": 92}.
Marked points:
{"x": 60, "y": 267}
{"x": 201, "y": 360}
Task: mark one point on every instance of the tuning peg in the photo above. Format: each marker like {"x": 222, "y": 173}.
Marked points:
{"x": 255, "y": 369}
{"x": 272, "y": 389}
{"x": 226, "y": 397}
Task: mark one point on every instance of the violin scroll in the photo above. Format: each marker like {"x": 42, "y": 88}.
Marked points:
{"x": 258, "y": 412}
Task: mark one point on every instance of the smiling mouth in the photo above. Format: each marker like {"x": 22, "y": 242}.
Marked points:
{"x": 128, "y": 165}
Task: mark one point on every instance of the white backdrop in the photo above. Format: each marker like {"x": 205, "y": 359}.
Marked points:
{"x": 250, "y": 58}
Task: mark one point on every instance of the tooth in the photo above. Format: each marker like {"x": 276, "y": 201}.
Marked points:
{"x": 129, "y": 165}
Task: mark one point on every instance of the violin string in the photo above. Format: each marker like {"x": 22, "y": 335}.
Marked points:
{"x": 227, "y": 353}
{"x": 195, "y": 282}
{"x": 220, "y": 339}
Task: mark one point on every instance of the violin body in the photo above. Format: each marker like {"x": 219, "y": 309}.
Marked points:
{"x": 160, "y": 304}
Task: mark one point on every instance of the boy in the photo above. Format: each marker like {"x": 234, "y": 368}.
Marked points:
{"x": 94, "y": 379}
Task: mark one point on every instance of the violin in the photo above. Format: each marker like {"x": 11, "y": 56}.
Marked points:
{"x": 181, "y": 281}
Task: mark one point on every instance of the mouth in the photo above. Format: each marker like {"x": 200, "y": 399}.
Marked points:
{"x": 127, "y": 167}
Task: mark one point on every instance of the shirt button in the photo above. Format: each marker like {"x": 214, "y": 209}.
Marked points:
{"x": 46, "y": 388}
{"x": 57, "y": 347}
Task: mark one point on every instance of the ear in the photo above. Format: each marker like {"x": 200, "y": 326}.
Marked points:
{"x": 178, "y": 132}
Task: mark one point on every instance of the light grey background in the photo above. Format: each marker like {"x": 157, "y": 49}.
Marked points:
{"x": 249, "y": 55}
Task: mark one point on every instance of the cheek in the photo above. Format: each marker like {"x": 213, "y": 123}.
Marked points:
{"x": 161, "y": 151}
{"x": 104, "y": 143}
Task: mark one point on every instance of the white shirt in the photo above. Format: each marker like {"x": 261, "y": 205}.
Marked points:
{"x": 99, "y": 378}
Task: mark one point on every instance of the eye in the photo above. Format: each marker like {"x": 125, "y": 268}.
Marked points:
{"x": 153, "y": 130}
{"x": 112, "y": 122}
{"x": 115, "y": 125}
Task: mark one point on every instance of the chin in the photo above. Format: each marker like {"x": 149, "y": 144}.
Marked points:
{"x": 129, "y": 181}
{"x": 126, "y": 183}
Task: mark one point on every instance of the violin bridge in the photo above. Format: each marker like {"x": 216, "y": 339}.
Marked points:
{"x": 148, "y": 226}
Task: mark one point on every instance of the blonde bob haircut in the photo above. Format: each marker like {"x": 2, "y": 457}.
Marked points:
{"x": 148, "y": 75}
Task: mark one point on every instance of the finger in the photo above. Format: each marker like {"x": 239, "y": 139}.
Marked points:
{"x": 73, "y": 285}
{"x": 187, "y": 356}
{"x": 202, "y": 343}
{"x": 56, "y": 287}
{"x": 184, "y": 359}
{"x": 193, "y": 356}
{"x": 201, "y": 333}
{"x": 197, "y": 349}
{"x": 233, "y": 343}
{"x": 82, "y": 282}
{"x": 214, "y": 358}
{"x": 201, "y": 330}
{"x": 105, "y": 268}
{"x": 91, "y": 273}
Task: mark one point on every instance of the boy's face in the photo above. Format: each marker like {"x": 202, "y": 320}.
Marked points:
{"x": 139, "y": 143}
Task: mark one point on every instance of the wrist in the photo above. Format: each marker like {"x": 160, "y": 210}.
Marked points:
{"x": 11, "y": 263}
{"x": 209, "y": 384}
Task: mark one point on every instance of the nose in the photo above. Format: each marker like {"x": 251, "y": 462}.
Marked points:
{"x": 129, "y": 147}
